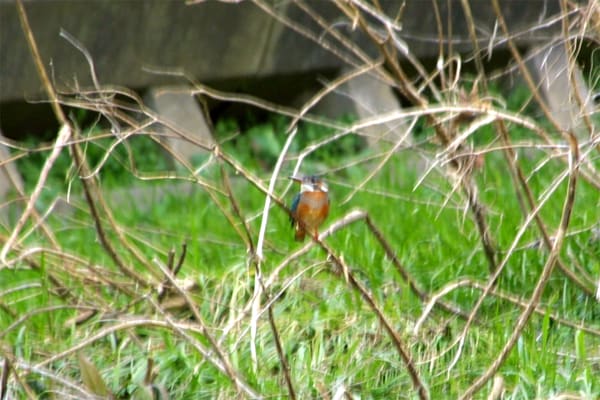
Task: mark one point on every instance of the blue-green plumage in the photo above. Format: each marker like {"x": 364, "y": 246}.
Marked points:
{"x": 294, "y": 207}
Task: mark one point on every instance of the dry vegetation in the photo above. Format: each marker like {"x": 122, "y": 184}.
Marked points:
{"x": 478, "y": 275}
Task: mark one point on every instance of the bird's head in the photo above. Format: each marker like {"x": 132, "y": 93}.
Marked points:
{"x": 311, "y": 183}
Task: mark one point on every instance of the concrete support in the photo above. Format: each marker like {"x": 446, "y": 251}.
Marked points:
{"x": 551, "y": 65}
{"x": 365, "y": 96}
{"x": 9, "y": 177}
{"x": 178, "y": 109}
{"x": 10, "y": 180}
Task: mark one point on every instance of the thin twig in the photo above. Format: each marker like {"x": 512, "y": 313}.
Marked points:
{"x": 228, "y": 369}
{"x": 544, "y": 276}
{"x": 418, "y": 384}
{"x": 519, "y": 177}
{"x": 511, "y": 298}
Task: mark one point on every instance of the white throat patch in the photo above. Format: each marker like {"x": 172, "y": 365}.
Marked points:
{"x": 310, "y": 187}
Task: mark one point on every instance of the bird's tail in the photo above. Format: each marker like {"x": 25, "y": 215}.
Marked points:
{"x": 300, "y": 233}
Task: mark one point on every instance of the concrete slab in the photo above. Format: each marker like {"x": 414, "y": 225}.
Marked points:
{"x": 222, "y": 40}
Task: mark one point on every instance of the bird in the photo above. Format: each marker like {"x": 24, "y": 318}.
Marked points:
{"x": 310, "y": 207}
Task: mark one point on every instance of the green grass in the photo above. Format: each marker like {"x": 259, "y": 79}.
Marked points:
{"x": 330, "y": 336}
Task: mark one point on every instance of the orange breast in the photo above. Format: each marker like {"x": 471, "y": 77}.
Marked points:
{"x": 313, "y": 208}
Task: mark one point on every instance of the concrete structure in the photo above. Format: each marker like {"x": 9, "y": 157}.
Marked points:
{"x": 562, "y": 92}
{"x": 179, "y": 109}
{"x": 218, "y": 41}
{"x": 227, "y": 45}
{"x": 9, "y": 177}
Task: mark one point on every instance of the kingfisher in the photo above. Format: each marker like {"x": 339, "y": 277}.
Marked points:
{"x": 310, "y": 207}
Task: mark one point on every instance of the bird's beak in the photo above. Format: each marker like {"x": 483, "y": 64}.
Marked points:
{"x": 295, "y": 179}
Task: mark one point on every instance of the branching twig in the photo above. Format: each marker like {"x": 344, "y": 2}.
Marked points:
{"x": 418, "y": 384}
{"x": 544, "y": 276}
